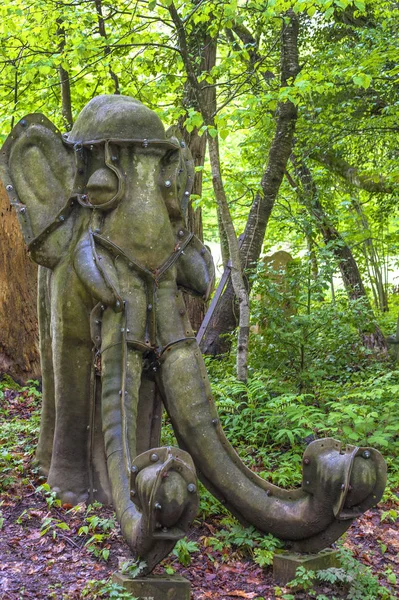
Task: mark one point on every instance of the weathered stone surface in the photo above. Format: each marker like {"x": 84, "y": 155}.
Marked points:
{"x": 156, "y": 587}
{"x": 285, "y": 564}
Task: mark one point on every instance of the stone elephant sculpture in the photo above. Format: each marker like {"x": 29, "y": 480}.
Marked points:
{"x": 102, "y": 210}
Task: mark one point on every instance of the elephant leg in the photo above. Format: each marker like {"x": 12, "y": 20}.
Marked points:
{"x": 47, "y": 419}
{"x": 72, "y": 360}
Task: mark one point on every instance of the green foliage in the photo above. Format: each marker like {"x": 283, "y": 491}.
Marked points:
{"x": 246, "y": 540}
{"x": 357, "y": 580}
{"x": 183, "y": 550}
{"x": 104, "y": 588}
{"x": 97, "y": 530}
{"x": 133, "y": 568}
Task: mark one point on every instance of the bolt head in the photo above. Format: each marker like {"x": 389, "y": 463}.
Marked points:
{"x": 154, "y": 457}
{"x": 306, "y": 461}
{"x": 168, "y": 183}
{"x": 117, "y": 304}
{"x": 366, "y": 454}
{"x": 182, "y": 144}
{"x": 132, "y": 493}
{"x": 181, "y": 233}
{"x": 145, "y": 143}
{"x": 22, "y": 210}
{"x": 191, "y": 488}
{"x": 214, "y": 421}
{"x": 135, "y": 469}
{"x": 61, "y": 218}
{"x": 186, "y": 193}
{"x": 157, "y": 506}
{"x": 149, "y": 307}
{"x": 9, "y": 188}
{"x": 23, "y": 123}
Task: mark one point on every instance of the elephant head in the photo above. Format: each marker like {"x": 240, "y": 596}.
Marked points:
{"x": 102, "y": 209}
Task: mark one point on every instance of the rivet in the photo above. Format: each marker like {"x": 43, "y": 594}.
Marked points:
{"x": 91, "y": 147}
{"x": 157, "y": 506}
{"x": 22, "y": 210}
{"x": 307, "y": 482}
{"x": 61, "y": 218}
{"x": 191, "y": 488}
{"x": 366, "y": 454}
{"x": 145, "y": 143}
{"x": 135, "y": 469}
{"x": 154, "y": 457}
{"x": 9, "y": 188}
{"x": 149, "y": 307}
{"x": 23, "y": 123}
{"x": 168, "y": 183}
{"x": 186, "y": 193}
{"x": 181, "y": 233}
{"x": 182, "y": 145}
{"x": 214, "y": 421}
{"x": 306, "y": 461}
{"x": 102, "y": 307}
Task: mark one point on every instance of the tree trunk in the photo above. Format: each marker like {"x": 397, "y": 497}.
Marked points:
{"x": 19, "y": 352}
{"x": 224, "y": 319}
{"x": 201, "y": 44}
{"x": 347, "y": 264}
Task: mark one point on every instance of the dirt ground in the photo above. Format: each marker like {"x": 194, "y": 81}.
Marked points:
{"x": 45, "y": 554}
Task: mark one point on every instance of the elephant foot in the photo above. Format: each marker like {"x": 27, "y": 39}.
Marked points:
{"x": 69, "y": 485}
{"x": 164, "y": 493}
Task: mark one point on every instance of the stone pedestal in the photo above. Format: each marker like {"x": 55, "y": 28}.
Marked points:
{"x": 285, "y": 564}
{"x": 155, "y": 587}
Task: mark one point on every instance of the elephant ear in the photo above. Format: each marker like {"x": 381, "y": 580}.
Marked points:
{"x": 185, "y": 172}
{"x": 38, "y": 172}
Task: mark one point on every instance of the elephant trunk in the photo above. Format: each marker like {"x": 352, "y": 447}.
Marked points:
{"x": 154, "y": 494}
{"x": 309, "y": 518}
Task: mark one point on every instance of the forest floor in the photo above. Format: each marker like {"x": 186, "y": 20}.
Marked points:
{"x": 52, "y": 551}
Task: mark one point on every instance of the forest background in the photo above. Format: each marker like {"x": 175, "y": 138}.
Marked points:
{"x": 290, "y": 109}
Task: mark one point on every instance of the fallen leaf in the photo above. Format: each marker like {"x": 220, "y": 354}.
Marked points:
{"x": 242, "y": 594}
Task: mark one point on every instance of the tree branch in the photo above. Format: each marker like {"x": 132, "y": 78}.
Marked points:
{"x": 341, "y": 167}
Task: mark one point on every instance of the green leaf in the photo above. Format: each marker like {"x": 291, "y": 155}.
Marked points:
{"x": 362, "y": 80}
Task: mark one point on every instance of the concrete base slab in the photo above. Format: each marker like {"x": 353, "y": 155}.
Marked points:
{"x": 285, "y": 564}
{"x": 155, "y": 587}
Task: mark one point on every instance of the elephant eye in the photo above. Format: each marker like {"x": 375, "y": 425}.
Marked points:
{"x": 102, "y": 186}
